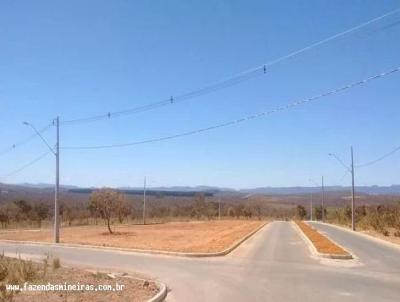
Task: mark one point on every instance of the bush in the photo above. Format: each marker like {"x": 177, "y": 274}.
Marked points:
{"x": 301, "y": 212}
{"x": 15, "y": 271}
{"x": 361, "y": 212}
{"x": 56, "y": 263}
{"x": 318, "y": 212}
{"x": 385, "y": 232}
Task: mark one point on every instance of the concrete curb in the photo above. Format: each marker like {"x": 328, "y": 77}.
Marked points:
{"x": 367, "y": 236}
{"x": 161, "y": 295}
{"x": 162, "y": 287}
{"x": 158, "y": 252}
{"x": 314, "y": 250}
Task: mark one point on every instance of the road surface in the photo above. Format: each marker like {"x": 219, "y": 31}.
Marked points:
{"x": 273, "y": 265}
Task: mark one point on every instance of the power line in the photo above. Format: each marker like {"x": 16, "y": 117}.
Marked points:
{"x": 243, "y": 119}
{"x": 168, "y": 101}
{"x": 233, "y": 80}
{"x": 25, "y": 141}
{"x": 344, "y": 175}
{"x": 26, "y": 165}
{"x": 379, "y": 158}
{"x": 236, "y": 79}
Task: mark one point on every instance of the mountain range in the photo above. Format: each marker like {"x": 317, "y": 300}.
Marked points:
{"x": 373, "y": 190}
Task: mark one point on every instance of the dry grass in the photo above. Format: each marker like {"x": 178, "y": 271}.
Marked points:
{"x": 17, "y": 272}
{"x": 390, "y": 238}
{"x": 194, "y": 236}
{"x": 321, "y": 243}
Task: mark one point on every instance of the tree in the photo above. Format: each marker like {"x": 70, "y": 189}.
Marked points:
{"x": 211, "y": 209}
{"x": 123, "y": 209}
{"x": 347, "y": 212}
{"x": 247, "y": 211}
{"x": 318, "y": 212}
{"x": 40, "y": 212}
{"x": 4, "y": 217}
{"x": 105, "y": 202}
{"x": 199, "y": 207}
{"x": 231, "y": 212}
{"x": 69, "y": 214}
{"x": 301, "y": 212}
{"x": 93, "y": 212}
{"x": 361, "y": 212}
{"x": 239, "y": 210}
{"x": 256, "y": 207}
{"x": 23, "y": 210}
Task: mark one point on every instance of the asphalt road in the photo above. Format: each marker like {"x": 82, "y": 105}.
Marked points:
{"x": 273, "y": 265}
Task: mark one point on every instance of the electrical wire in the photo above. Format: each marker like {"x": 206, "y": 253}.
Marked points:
{"x": 26, "y": 165}
{"x": 25, "y": 141}
{"x": 243, "y": 119}
{"x": 378, "y": 159}
{"x": 344, "y": 175}
{"x": 168, "y": 101}
{"x": 233, "y": 80}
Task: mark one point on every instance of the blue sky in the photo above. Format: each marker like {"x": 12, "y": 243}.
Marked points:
{"x": 82, "y": 58}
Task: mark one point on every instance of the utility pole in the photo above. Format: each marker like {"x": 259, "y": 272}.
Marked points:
{"x": 144, "y": 201}
{"x": 311, "y": 207}
{"x": 56, "y": 151}
{"x": 351, "y": 170}
{"x": 219, "y": 208}
{"x": 353, "y": 227}
{"x": 323, "y": 197}
{"x": 57, "y": 189}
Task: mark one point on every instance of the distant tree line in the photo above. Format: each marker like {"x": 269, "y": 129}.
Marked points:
{"x": 384, "y": 219}
{"x": 107, "y": 206}
{"x": 22, "y": 211}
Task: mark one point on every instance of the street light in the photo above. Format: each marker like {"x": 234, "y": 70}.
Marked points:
{"x": 144, "y": 201}
{"x": 322, "y": 195}
{"x": 56, "y": 152}
{"x": 351, "y": 170}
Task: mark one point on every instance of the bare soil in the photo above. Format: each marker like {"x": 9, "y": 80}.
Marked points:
{"x": 131, "y": 289}
{"x": 194, "y": 236}
{"x": 321, "y": 243}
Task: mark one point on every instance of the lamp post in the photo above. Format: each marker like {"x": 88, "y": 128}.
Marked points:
{"x": 56, "y": 152}
{"x": 322, "y": 195}
{"x": 351, "y": 170}
{"x": 144, "y": 201}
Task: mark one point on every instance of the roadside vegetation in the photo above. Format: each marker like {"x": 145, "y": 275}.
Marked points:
{"x": 378, "y": 220}
{"x": 384, "y": 219}
{"x": 110, "y": 209}
{"x": 15, "y": 271}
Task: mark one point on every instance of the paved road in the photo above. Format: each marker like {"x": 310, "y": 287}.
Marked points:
{"x": 377, "y": 257}
{"x": 273, "y": 265}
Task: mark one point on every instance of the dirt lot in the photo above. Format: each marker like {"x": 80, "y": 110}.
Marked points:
{"x": 195, "y": 236}
{"x": 321, "y": 243}
{"x": 39, "y": 275}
